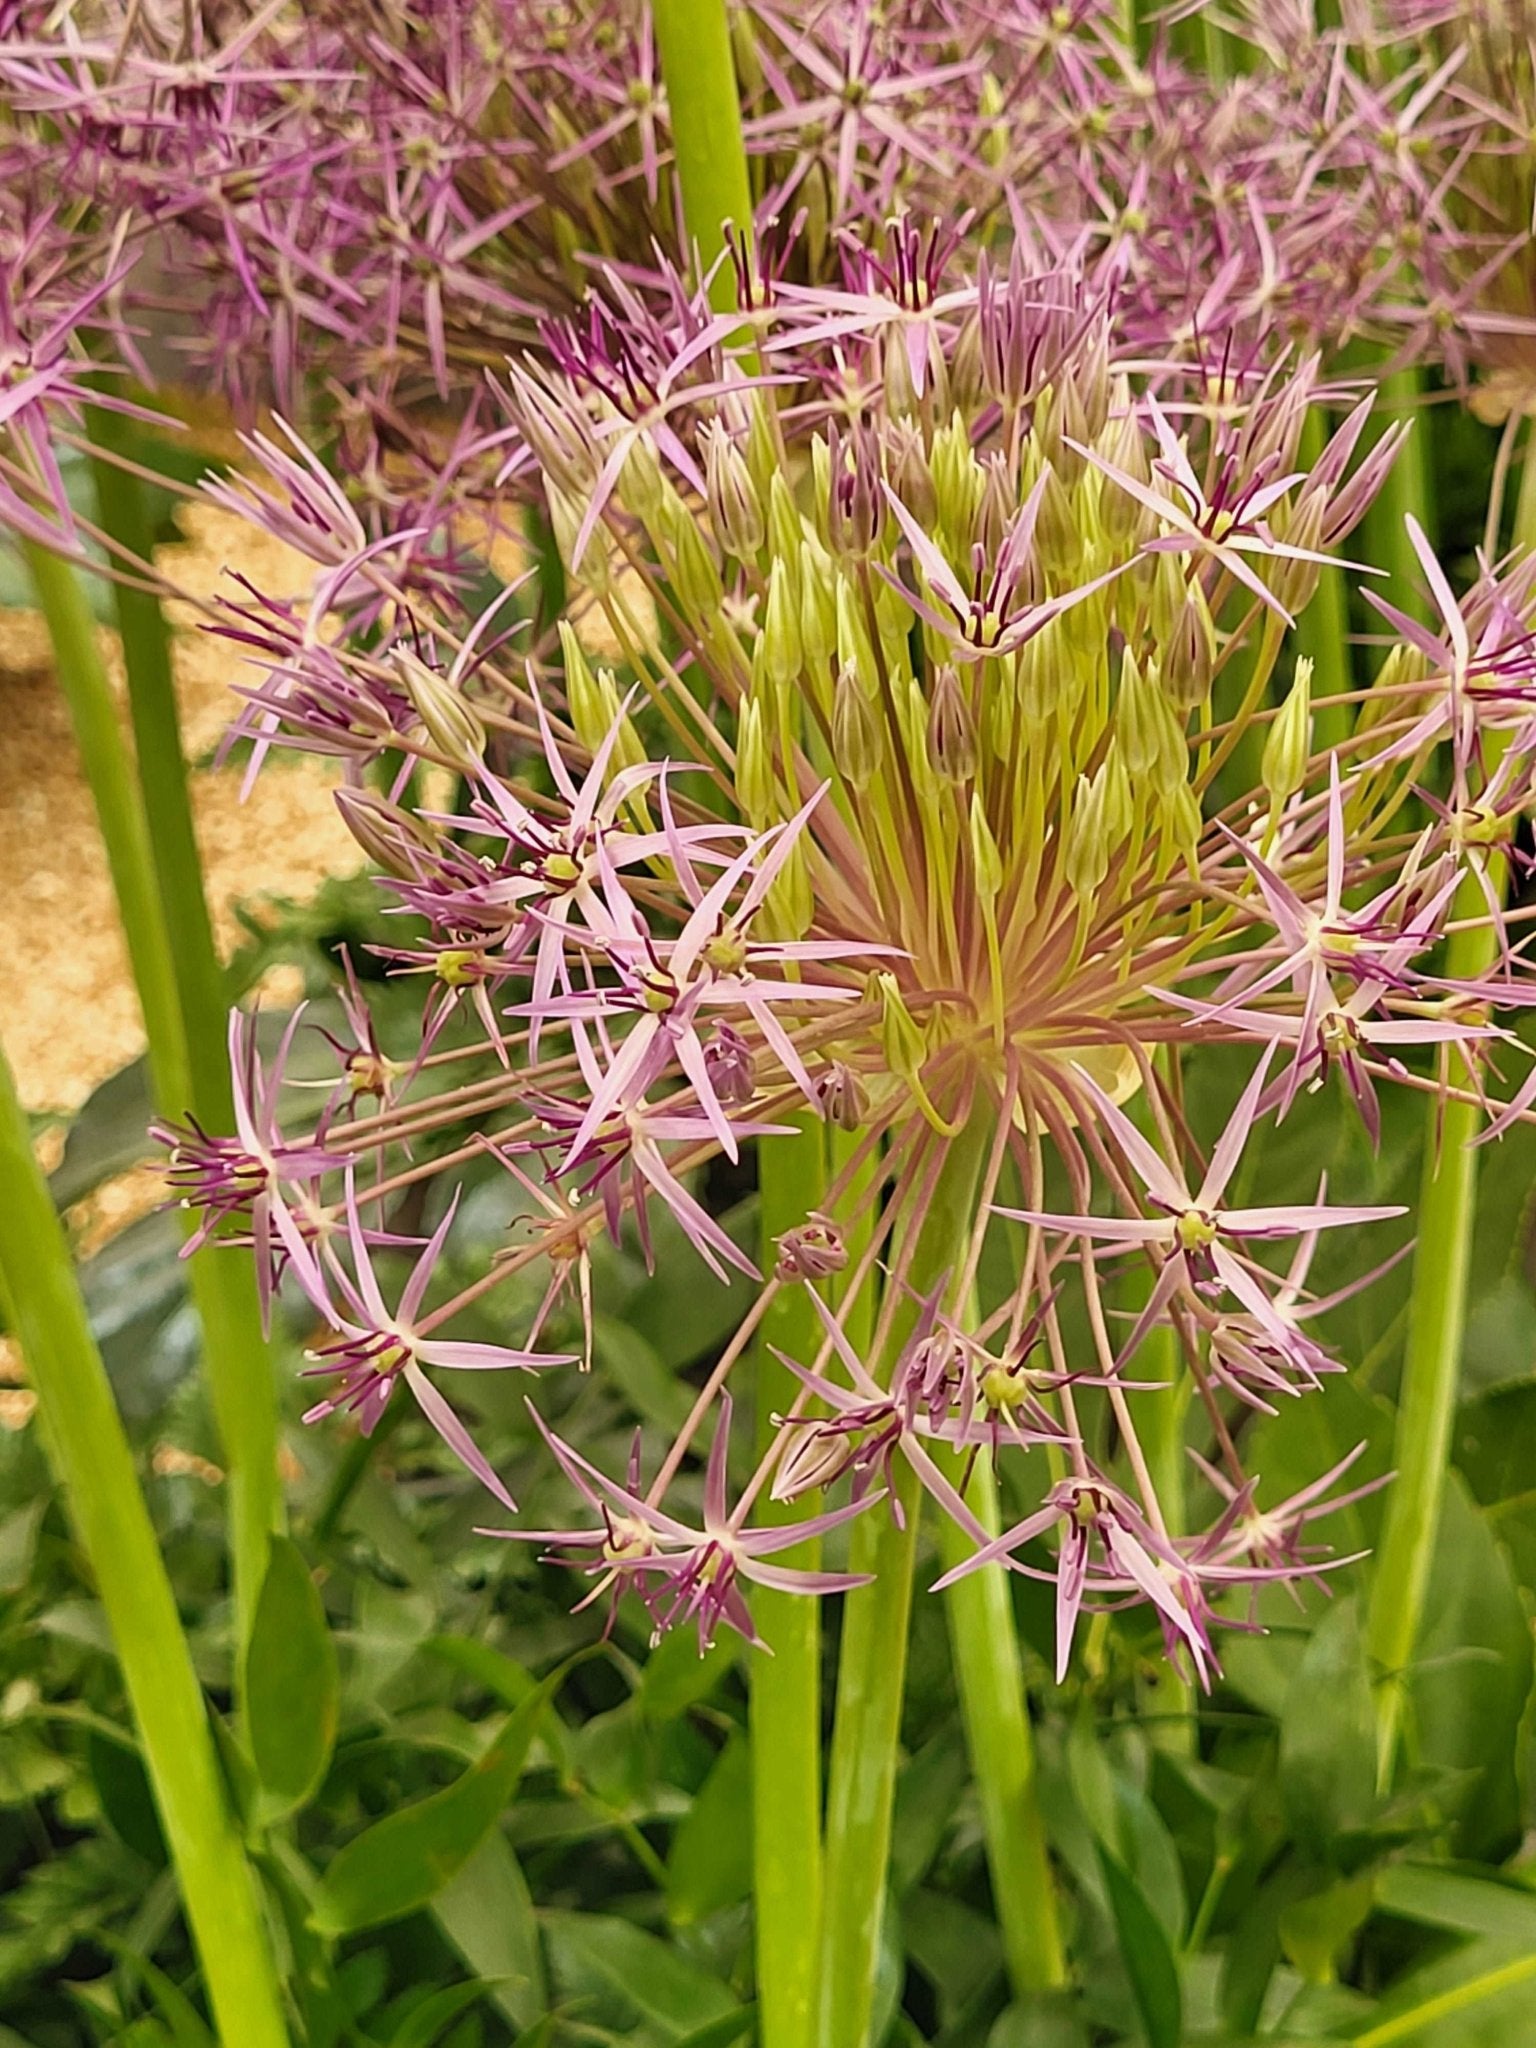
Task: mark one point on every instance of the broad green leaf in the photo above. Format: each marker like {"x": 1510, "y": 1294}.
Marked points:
{"x": 485, "y": 1911}
{"x": 421, "y": 2028}
{"x": 1042, "y": 2019}
{"x": 631, "y": 1974}
{"x": 1482, "y": 1997}
{"x": 1316, "y": 1931}
{"x": 483, "y": 1666}
{"x": 685, "y": 1312}
{"x": 634, "y": 1365}
{"x": 184, "y": 2024}
{"x": 1457, "y": 1899}
{"x": 674, "y": 1677}
{"x": 710, "y": 1864}
{"x": 402, "y": 1862}
{"x": 1147, "y": 1953}
{"x": 1470, "y": 1678}
{"x": 292, "y": 1686}
{"x": 720, "y": 2033}
{"x": 1327, "y": 1736}
{"x": 122, "y": 1785}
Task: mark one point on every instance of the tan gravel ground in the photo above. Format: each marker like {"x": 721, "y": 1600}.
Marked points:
{"x": 68, "y": 1014}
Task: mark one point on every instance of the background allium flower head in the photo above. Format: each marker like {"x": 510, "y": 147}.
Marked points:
{"x": 946, "y": 629}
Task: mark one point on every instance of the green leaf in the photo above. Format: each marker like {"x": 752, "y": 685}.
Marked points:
{"x": 674, "y": 1677}
{"x": 1470, "y": 1679}
{"x": 122, "y": 1785}
{"x": 402, "y": 1862}
{"x": 1316, "y": 1930}
{"x": 632, "y": 1975}
{"x": 1482, "y": 1997}
{"x": 710, "y": 1864}
{"x": 1456, "y": 1899}
{"x": 292, "y": 1684}
{"x": 720, "y": 2033}
{"x": 421, "y": 2028}
{"x": 1044, "y": 2019}
{"x": 183, "y": 2022}
{"x": 1147, "y": 1953}
{"x": 634, "y": 1365}
{"x": 483, "y": 1666}
{"x": 1327, "y": 1735}
{"x": 486, "y": 1913}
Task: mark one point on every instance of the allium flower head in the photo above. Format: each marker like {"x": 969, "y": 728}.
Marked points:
{"x": 941, "y": 619}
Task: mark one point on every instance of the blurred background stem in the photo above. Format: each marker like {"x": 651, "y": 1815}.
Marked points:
{"x": 693, "y": 39}
{"x": 236, "y": 1356}
{"x": 786, "y": 1684}
{"x": 86, "y": 1443}
{"x": 1437, "y": 1309}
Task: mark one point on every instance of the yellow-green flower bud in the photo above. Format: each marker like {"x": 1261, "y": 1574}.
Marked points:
{"x": 957, "y": 479}
{"x": 785, "y": 526}
{"x": 1301, "y": 526}
{"x": 765, "y": 453}
{"x": 951, "y": 726}
{"x": 734, "y": 507}
{"x": 791, "y": 901}
{"x": 1150, "y": 738}
{"x": 754, "y": 766}
{"x": 900, "y": 390}
{"x": 855, "y": 730}
{"x": 1188, "y": 655}
{"x": 1182, "y": 821}
{"x": 393, "y": 837}
{"x": 642, "y": 485}
{"x": 902, "y": 1039}
{"x": 1100, "y": 819}
{"x": 906, "y": 461}
{"x": 1057, "y": 541}
{"x": 1288, "y": 747}
{"x": 451, "y": 724}
{"x": 595, "y": 706}
{"x": 821, "y": 487}
{"x": 818, "y": 604}
{"x": 1039, "y": 671}
{"x": 781, "y": 629}
{"x": 994, "y": 136}
{"x": 595, "y": 571}
{"x": 854, "y": 649}
{"x": 695, "y": 578}
{"x": 1125, "y": 521}
{"x": 985, "y": 857}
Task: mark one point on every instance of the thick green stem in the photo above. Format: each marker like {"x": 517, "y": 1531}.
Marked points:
{"x": 1406, "y": 490}
{"x": 786, "y": 1685}
{"x": 237, "y": 1360}
{"x": 1437, "y": 1307}
{"x": 162, "y": 776}
{"x": 1322, "y": 630}
{"x": 693, "y": 39}
{"x": 872, "y": 1664}
{"x": 985, "y": 1642}
{"x": 1168, "y": 1697}
{"x": 85, "y": 1439}
{"x": 120, "y": 813}
{"x": 1431, "y": 1368}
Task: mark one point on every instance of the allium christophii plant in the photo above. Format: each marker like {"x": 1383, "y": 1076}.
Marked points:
{"x": 890, "y": 773}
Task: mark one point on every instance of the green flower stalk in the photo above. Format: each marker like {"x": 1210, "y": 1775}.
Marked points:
{"x": 90, "y": 1453}
{"x": 165, "y": 972}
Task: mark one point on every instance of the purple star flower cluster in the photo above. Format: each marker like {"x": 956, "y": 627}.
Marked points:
{"x": 357, "y": 219}
{"x": 921, "y": 759}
